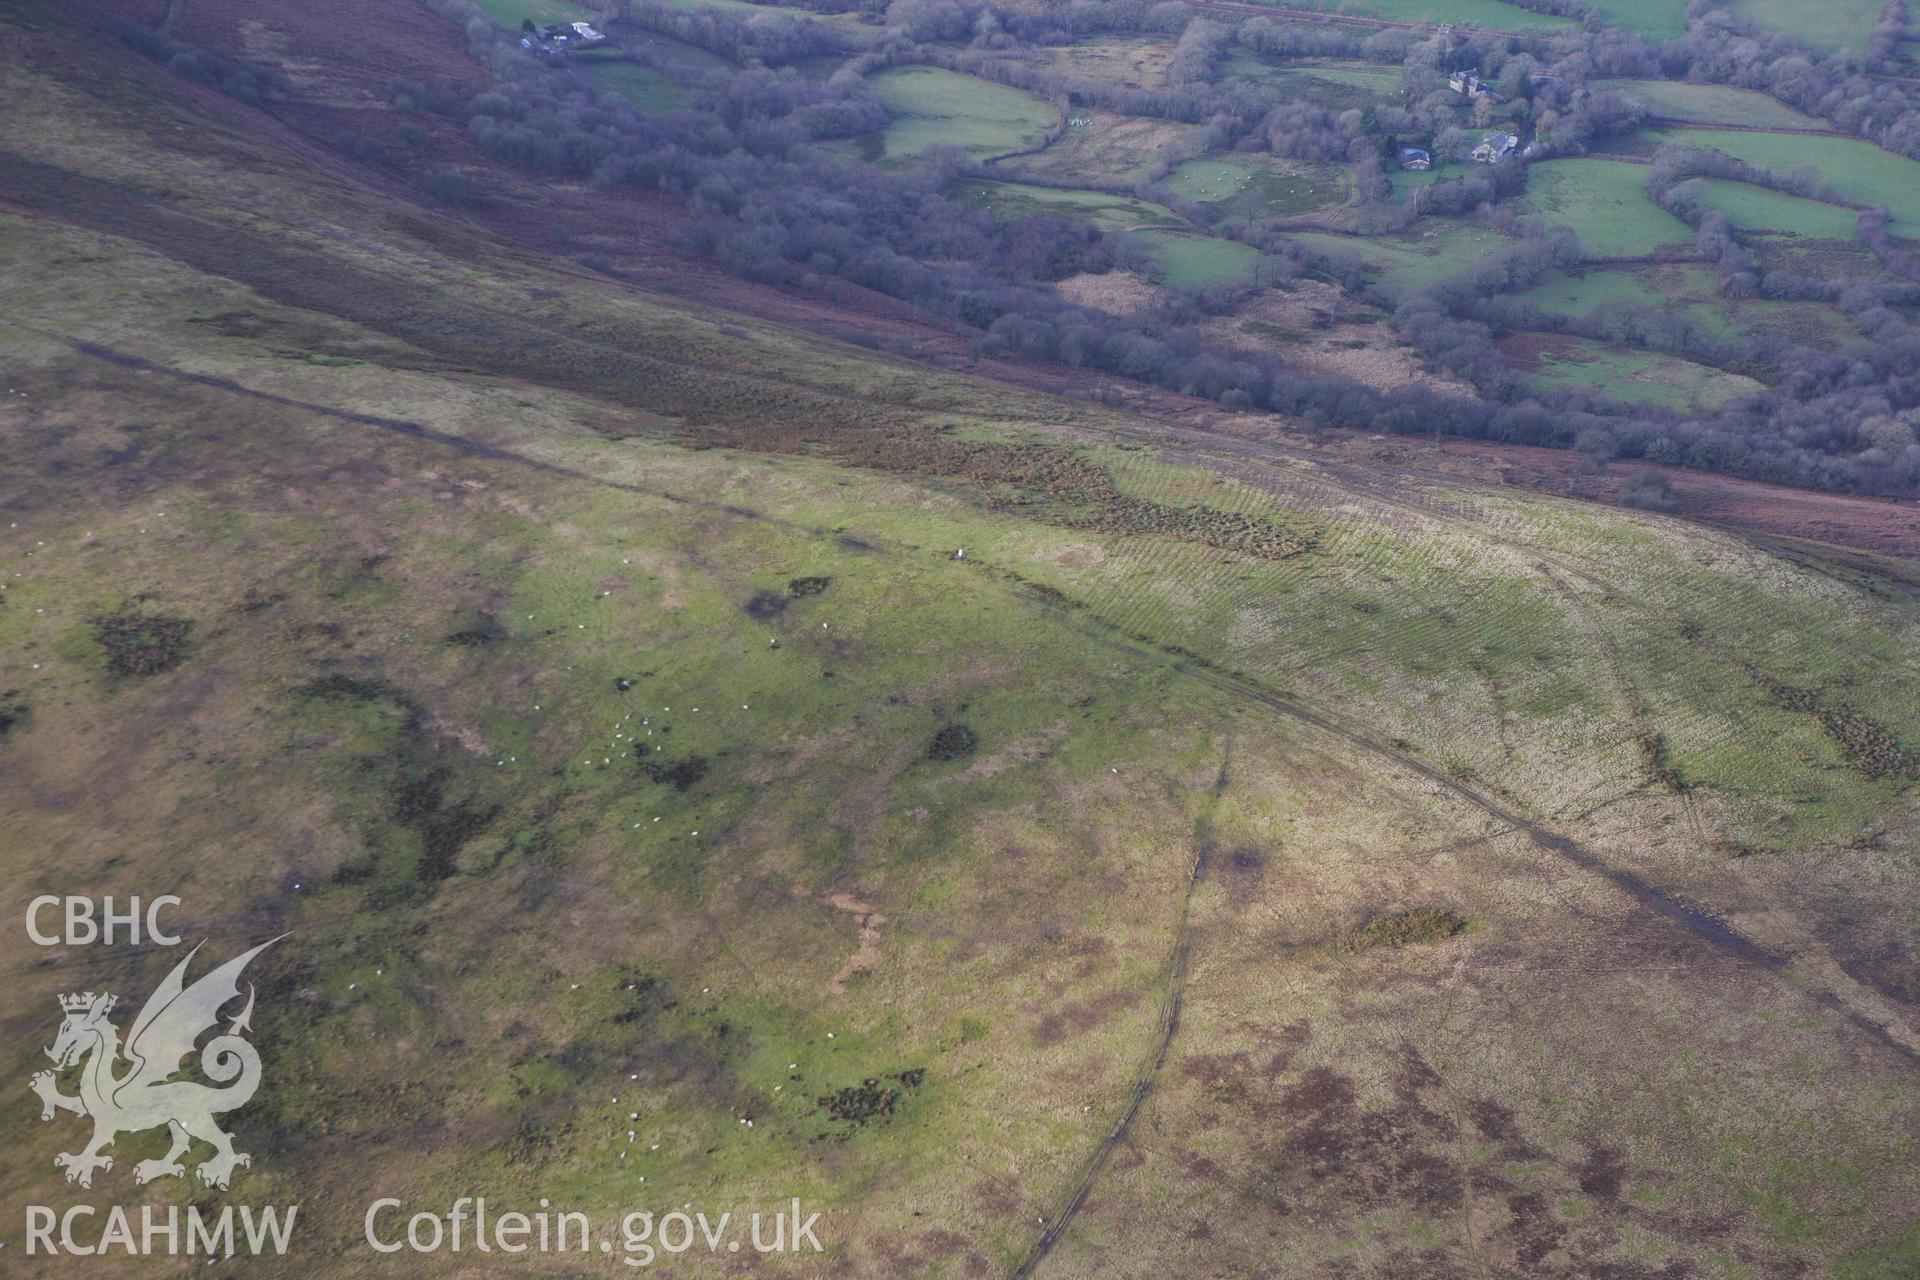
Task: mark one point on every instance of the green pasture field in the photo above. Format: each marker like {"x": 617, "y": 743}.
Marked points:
{"x": 1406, "y": 181}
{"x": 510, "y": 13}
{"x": 1828, "y": 27}
{"x": 1403, "y": 263}
{"x": 1766, "y": 211}
{"x": 1192, "y": 261}
{"x": 1489, "y": 14}
{"x": 734, "y": 8}
{"x": 1187, "y": 260}
{"x": 1582, "y": 292}
{"x": 933, "y": 107}
{"x": 846, "y": 25}
{"x": 1854, "y": 166}
{"x": 1712, "y": 103}
{"x": 1606, "y": 203}
{"x": 1652, "y": 19}
{"x": 642, "y": 86}
{"x": 1361, "y": 75}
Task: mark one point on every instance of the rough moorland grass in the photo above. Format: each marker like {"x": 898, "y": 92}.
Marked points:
{"x": 1013, "y": 200}
{"x": 1338, "y": 87}
{"x": 1640, "y": 377}
{"x": 583, "y": 973}
{"x": 1133, "y": 62}
{"x": 691, "y": 962}
{"x": 1854, "y": 167}
{"x": 1606, "y": 203}
{"x": 1248, "y": 188}
{"x": 933, "y": 107}
{"x": 1694, "y": 289}
{"x": 1109, "y": 148}
{"x": 617, "y": 582}
{"x": 1712, "y": 103}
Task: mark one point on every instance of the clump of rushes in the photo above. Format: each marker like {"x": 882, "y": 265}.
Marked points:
{"x": 953, "y": 742}
{"x": 1402, "y": 928}
{"x": 679, "y": 774}
{"x": 142, "y": 644}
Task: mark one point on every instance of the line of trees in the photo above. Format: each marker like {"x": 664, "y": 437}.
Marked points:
{"x": 1872, "y": 226}
{"x": 225, "y": 70}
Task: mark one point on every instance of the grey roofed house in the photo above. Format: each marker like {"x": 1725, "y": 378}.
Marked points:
{"x": 1495, "y": 146}
{"x": 1415, "y": 158}
{"x": 1470, "y": 83}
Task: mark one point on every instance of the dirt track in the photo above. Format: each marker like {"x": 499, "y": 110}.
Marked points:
{"x": 1178, "y": 966}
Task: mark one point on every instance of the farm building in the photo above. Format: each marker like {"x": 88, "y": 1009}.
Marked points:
{"x": 1495, "y": 146}
{"x": 573, "y": 35}
{"x": 1415, "y": 159}
{"x": 1470, "y": 84}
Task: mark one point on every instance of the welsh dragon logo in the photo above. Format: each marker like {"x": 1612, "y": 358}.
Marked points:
{"x": 146, "y": 1095}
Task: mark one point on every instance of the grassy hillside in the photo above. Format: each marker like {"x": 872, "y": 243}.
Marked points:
{"x": 1322, "y": 868}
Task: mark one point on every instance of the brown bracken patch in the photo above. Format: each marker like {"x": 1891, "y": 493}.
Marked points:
{"x": 1866, "y": 743}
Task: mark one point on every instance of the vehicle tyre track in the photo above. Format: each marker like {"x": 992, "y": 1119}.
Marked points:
{"x": 1178, "y": 963}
